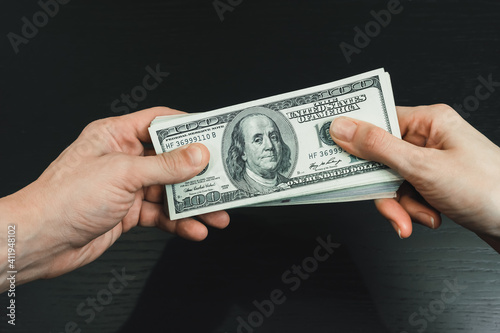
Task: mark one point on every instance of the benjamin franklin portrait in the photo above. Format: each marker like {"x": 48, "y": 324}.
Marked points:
{"x": 258, "y": 156}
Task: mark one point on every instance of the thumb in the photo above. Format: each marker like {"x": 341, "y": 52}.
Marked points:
{"x": 373, "y": 143}
{"x": 173, "y": 167}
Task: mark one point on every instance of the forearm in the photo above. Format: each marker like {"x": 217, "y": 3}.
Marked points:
{"x": 25, "y": 250}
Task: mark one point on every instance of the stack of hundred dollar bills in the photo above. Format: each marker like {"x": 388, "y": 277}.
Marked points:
{"x": 278, "y": 150}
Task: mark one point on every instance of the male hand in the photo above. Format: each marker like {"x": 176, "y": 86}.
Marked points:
{"x": 101, "y": 186}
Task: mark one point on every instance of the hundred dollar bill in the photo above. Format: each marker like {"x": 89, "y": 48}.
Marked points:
{"x": 278, "y": 150}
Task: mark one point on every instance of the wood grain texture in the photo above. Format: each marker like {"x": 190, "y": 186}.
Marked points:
{"x": 93, "y": 51}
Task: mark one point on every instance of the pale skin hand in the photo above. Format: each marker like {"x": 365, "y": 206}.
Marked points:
{"x": 452, "y": 168}
{"x": 101, "y": 186}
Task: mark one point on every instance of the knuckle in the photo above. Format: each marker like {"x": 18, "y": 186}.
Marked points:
{"x": 442, "y": 107}
{"x": 102, "y": 133}
{"x": 375, "y": 139}
{"x": 447, "y": 116}
{"x": 124, "y": 170}
{"x": 170, "y": 163}
{"x": 93, "y": 126}
{"x": 98, "y": 128}
{"x": 90, "y": 128}
{"x": 445, "y": 112}
{"x": 120, "y": 163}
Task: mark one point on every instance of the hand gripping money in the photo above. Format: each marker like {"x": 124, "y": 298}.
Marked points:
{"x": 277, "y": 150}
{"x": 100, "y": 187}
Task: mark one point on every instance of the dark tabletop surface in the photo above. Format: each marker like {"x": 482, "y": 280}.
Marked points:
{"x": 76, "y": 64}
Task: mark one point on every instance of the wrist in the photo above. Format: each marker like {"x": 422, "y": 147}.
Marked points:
{"x": 490, "y": 213}
{"x": 29, "y": 245}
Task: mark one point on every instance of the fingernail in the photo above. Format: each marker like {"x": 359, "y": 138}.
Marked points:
{"x": 195, "y": 154}
{"x": 343, "y": 129}
{"x": 425, "y": 218}
{"x": 395, "y": 226}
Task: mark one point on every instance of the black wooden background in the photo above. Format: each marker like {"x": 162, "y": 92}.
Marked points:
{"x": 91, "y": 52}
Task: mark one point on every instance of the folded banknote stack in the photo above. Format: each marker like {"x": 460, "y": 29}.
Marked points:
{"x": 278, "y": 150}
